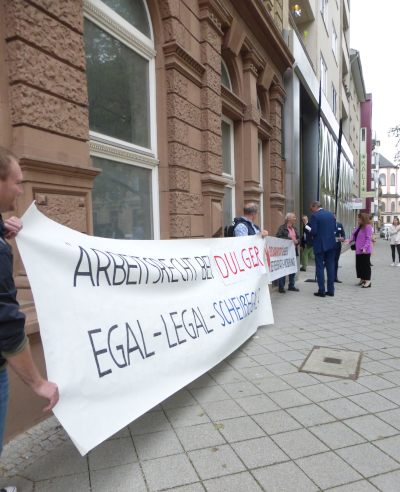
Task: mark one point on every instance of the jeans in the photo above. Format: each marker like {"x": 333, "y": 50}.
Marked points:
{"x": 281, "y": 281}
{"x": 3, "y": 404}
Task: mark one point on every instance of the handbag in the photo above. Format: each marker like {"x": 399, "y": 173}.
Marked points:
{"x": 353, "y": 246}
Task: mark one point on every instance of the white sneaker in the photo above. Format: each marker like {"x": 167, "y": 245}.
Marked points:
{"x": 9, "y": 489}
{"x": 398, "y": 264}
{"x": 393, "y": 264}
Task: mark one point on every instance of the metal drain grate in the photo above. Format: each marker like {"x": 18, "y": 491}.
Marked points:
{"x": 327, "y": 361}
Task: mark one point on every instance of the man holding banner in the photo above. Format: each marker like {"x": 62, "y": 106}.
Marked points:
{"x": 14, "y": 345}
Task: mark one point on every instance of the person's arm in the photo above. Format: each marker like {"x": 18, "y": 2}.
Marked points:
{"x": 313, "y": 226}
{"x": 368, "y": 238}
{"x": 24, "y": 366}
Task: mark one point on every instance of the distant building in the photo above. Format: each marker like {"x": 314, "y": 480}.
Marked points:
{"x": 389, "y": 196}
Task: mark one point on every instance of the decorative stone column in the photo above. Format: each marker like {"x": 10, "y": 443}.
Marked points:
{"x": 277, "y": 165}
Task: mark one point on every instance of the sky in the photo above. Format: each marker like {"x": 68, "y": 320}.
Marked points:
{"x": 375, "y": 33}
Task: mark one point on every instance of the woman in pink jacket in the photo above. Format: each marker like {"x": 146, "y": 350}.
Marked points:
{"x": 362, "y": 238}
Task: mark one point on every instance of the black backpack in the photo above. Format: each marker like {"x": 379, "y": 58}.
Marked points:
{"x": 229, "y": 230}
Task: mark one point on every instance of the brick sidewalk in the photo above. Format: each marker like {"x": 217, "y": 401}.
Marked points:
{"x": 254, "y": 422}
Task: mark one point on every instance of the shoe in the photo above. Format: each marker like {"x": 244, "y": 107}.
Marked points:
{"x": 338, "y": 281}
{"x": 9, "y": 489}
{"x": 294, "y": 289}
{"x": 303, "y": 269}
{"x": 282, "y": 291}
{"x": 330, "y": 294}
{"x": 319, "y": 294}
{"x": 398, "y": 264}
{"x": 361, "y": 282}
{"x": 393, "y": 264}
{"x": 365, "y": 286}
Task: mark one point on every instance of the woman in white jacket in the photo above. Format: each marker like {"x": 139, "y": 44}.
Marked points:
{"x": 394, "y": 236}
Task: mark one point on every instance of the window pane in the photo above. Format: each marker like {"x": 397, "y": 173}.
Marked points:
{"x": 133, "y": 11}
{"x": 226, "y": 148}
{"x": 122, "y": 201}
{"x": 228, "y": 213}
{"x": 225, "y": 79}
{"x": 118, "y": 87}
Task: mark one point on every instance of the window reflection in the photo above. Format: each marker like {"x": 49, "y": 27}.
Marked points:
{"x": 122, "y": 201}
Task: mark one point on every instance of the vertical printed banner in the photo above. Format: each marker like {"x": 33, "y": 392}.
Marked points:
{"x": 280, "y": 257}
{"x": 125, "y": 324}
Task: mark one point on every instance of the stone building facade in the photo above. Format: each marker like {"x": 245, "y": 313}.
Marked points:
{"x": 141, "y": 119}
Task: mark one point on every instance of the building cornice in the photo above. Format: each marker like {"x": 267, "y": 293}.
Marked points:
{"x": 177, "y": 57}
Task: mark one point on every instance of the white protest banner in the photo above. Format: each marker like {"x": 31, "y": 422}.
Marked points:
{"x": 281, "y": 257}
{"x": 125, "y": 324}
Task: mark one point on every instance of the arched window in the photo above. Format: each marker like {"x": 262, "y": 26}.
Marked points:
{"x": 392, "y": 180}
{"x": 383, "y": 208}
{"x": 120, "y": 70}
{"x": 225, "y": 77}
{"x": 393, "y": 206}
{"x": 382, "y": 179}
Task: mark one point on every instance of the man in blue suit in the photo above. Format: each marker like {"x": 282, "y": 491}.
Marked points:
{"x": 322, "y": 227}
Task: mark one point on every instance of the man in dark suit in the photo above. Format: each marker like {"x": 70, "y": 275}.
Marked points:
{"x": 340, "y": 237}
{"x": 322, "y": 227}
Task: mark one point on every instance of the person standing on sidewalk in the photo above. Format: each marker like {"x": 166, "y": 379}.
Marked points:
{"x": 244, "y": 225}
{"x": 288, "y": 231}
{"x": 394, "y": 236}
{"x": 14, "y": 344}
{"x": 306, "y": 243}
{"x": 322, "y": 227}
{"x": 362, "y": 237}
{"x": 340, "y": 237}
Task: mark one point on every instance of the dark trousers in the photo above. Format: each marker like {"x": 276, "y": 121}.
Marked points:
{"x": 322, "y": 261}
{"x": 281, "y": 281}
{"x": 363, "y": 266}
{"x": 337, "y": 256}
{"x": 394, "y": 247}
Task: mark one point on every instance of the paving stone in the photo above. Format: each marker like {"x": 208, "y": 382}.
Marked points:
{"x": 271, "y": 384}
{"x": 373, "y": 402}
{"x": 64, "y": 460}
{"x": 282, "y": 368}
{"x": 259, "y": 452}
{"x": 361, "y": 486}
{"x": 150, "y": 422}
{"x": 257, "y": 404}
{"x": 254, "y": 373}
{"x": 367, "y": 459}
{"x": 299, "y": 379}
{"x": 226, "y": 409}
{"x": 183, "y": 417}
{"x": 299, "y": 443}
{"x": 375, "y": 383}
{"x": 193, "y": 487}
{"x": 318, "y": 393}
{"x": 289, "y": 398}
{"x": 392, "y": 395}
{"x": 336, "y": 435}
{"x": 342, "y": 408}
{"x": 242, "y": 362}
{"x": 199, "y": 436}
{"x": 172, "y": 471}
{"x": 202, "y": 382}
{"x": 180, "y": 399}
{"x": 118, "y": 479}
{"x": 239, "y": 482}
{"x": 65, "y": 484}
{"x": 347, "y": 388}
{"x": 157, "y": 445}
{"x": 388, "y": 482}
{"x": 213, "y": 393}
{"x": 310, "y": 415}
{"x": 390, "y": 446}
{"x": 228, "y": 376}
{"x": 215, "y": 462}
{"x": 392, "y": 417}
{"x": 112, "y": 453}
{"x": 239, "y": 429}
{"x": 371, "y": 427}
{"x": 328, "y": 470}
{"x": 284, "y": 477}
{"x": 393, "y": 377}
{"x": 275, "y": 422}
{"x": 240, "y": 389}
{"x": 376, "y": 367}
{"x": 267, "y": 359}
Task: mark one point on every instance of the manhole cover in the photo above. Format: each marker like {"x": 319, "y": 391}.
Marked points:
{"x": 328, "y": 361}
